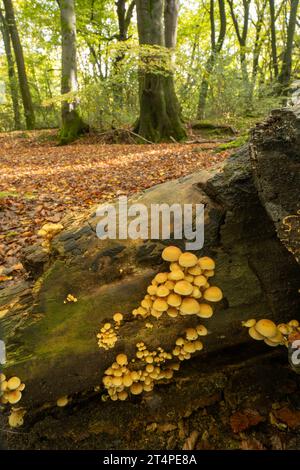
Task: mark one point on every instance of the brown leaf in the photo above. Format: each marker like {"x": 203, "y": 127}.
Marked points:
{"x": 242, "y": 420}
{"x": 251, "y": 444}
{"x": 191, "y": 441}
{"x": 288, "y": 416}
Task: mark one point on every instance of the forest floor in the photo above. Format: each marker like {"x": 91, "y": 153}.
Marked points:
{"x": 42, "y": 182}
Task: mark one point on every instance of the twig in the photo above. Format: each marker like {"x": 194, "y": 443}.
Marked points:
{"x": 208, "y": 141}
{"x": 120, "y": 129}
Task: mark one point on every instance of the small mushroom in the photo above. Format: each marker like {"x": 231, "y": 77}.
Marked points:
{"x": 189, "y": 306}
{"x": 162, "y": 291}
{"x": 13, "y": 383}
{"x": 62, "y": 401}
{"x": 183, "y": 288}
{"x": 160, "y": 305}
{"x": 160, "y": 278}
{"x": 191, "y": 334}
{"x": 187, "y": 260}
{"x": 122, "y": 359}
{"x": 266, "y": 328}
{"x": 171, "y": 253}
{"x": 205, "y": 311}
{"x": 213, "y": 294}
{"x": 206, "y": 263}
{"x": 136, "y": 388}
{"x": 200, "y": 281}
{"x": 254, "y": 334}
{"x": 249, "y": 323}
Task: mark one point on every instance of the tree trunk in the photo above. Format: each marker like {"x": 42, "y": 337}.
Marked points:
{"x": 249, "y": 206}
{"x": 284, "y": 77}
{"x": 215, "y": 51}
{"x": 13, "y": 83}
{"x": 72, "y": 124}
{"x": 160, "y": 114}
{"x": 273, "y": 39}
{"x": 18, "y": 50}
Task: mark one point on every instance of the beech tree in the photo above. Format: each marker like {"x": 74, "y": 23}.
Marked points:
{"x": 22, "y": 75}
{"x": 160, "y": 114}
{"x": 13, "y": 81}
{"x": 216, "y": 46}
{"x": 72, "y": 124}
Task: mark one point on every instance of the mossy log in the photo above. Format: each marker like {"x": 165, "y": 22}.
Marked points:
{"x": 52, "y": 345}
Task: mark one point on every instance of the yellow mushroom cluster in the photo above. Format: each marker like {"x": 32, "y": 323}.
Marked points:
{"x": 157, "y": 357}
{"x": 10, "y": 394}
{"x": 272, "y": 334}
{"x": 48, "y": 231}
{"x": 185, "y": 347}
{"x": 183, "y": 290}
{"x": 120, "y": 381}
{"x": 70, "y": 298}
{"x": 107, "y": 337}
{"x": 11, "y": 389}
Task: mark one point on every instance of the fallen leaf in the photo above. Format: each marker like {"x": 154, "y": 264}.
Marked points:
{"x": 245, "y": 419}
{"x": 191, "y": 441}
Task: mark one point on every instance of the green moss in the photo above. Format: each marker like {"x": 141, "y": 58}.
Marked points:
{"x": 233, "y": 144}
{"x": 71, "y": 129}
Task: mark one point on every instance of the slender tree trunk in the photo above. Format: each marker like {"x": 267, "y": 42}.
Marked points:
{"x": 160, "y": 114}
{"x": 257, "y": 48}
{"x": 72, "y": 124}
{"x": 273, "y": 38}
{"x": 13, "y": 82}
{"x": 18, "y": 50}
{"x": 284, "y": 77}
{"x": 215, "y": 51}
{"x": 242, "y": 35}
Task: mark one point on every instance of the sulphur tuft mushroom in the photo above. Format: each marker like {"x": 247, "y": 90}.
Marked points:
{"x": 171, "y": 253}
{"x": 62, "y": 401}
{"x": 206, "y": 263}
{"x": 183, "y": 288}
{"x": 213, "y": 294}
{"x": 266, "y": 328}
{"x": 16, "y": 417}
{"x": 189, "y": 306}
{"x": 187, "y": 260}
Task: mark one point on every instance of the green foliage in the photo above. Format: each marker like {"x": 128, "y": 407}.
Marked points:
{"x": 108, "y": 69}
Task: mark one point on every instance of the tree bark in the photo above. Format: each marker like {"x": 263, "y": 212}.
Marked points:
{"x": 284, "y": 77}
{"x": 216, "y": 47}
{"x": 13, "y": 82}
{"x": 18, "y": 50}
{"x": 72, "y": 124}
{"x": 273, "y": 39}
{"x": 160, "y": 114}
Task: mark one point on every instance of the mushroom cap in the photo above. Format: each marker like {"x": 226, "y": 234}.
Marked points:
{"x": 187, "y": 260}
{"x": 206, "y": 263}
{"x": 162, "y": 291}
{"x": 249, "y": 323}
{"x": 198, "y": 345}
{"x": 118, "y": 317}
{"x": 160, "y": 305}
{"x": 293, "y": 323}
{"x": 146, "y": 303}
{"x": 136, "y": 388}
{"x": 2, "y": 377}
{"x": 156, "y": 313}
{"x": 171, "y": 253}
{"x": 191, "y": 334}
{"x": 205, "y": 311}
{"x": 14, "y": 397}
{"x": 200, "y": 281}
{"x": 127, "y": 380}
{"x": 174, "y": 267}
{"x": 284, "y": 329}
{"x": 160, "y": 278}
{"x": 176, "y": 275}
{"x": 116, "y": 381}
{"x": 266, "y": 328}
{"x": 278, "y": 338}
{"x": 122, "y": 359}
{"x": 13, "y": 383}
{"x": 189, "y": 306}
{"x": 213, "y": 294}
{"x": 3, "y": 386}
{"x": 209, "y": 273}
{"x": 62, "y": 401}
{"x": 16, "y": 419}
{"x": 170, "y": 285}
{"x": 123, "y": 395}
{"x": 189, "y": 347}
{"x": 134, "y": 375}
{"x": 201, "y": 330}
{"x": 152, "y": 290}
{"x": 254, "y": 334}
{"x": 195, "y": 270}
{"x": 174, "y": 300}
{"x": 197, "y": 294}
{"x": 183, "y": 288}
